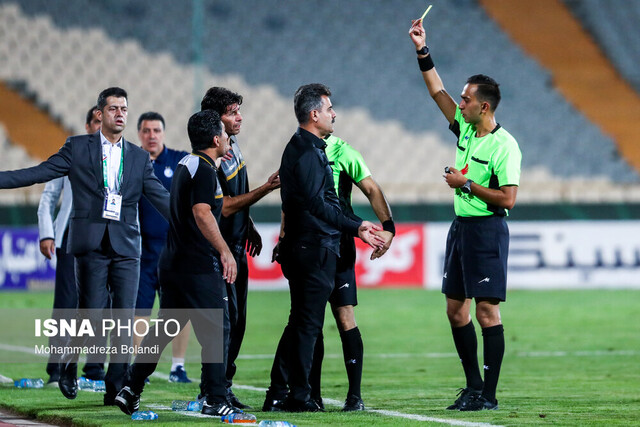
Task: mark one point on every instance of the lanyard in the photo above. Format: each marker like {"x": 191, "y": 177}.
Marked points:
{"x": 105, "y": 170}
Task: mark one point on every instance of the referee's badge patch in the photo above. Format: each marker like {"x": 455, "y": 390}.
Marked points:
{"x": 168, "y": 172}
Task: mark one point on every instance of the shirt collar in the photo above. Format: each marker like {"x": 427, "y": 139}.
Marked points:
{"x": 104, "y": 140}
{"x": 204, "y": 156}
{"x": 306, "y": 135}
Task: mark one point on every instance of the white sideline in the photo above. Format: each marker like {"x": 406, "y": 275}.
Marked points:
{"x": 334, "y": 402}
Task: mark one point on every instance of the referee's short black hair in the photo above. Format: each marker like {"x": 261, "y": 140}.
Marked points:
{"x": 203, "y": 126}
{"x": 90, "y": 115}
{"x": 219, "y": 99}
{"x": 488, "y": 89}
{"x": 150, "y": 115}
{"x": 308, "y": 98}
{"x": 111, "y": 91}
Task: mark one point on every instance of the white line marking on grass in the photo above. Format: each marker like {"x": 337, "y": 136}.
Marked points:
{"x": 386, "y": 413}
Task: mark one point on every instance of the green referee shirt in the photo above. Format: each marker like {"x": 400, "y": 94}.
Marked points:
{"x": 347, "y": 166}
{"x": 491, "y": 161}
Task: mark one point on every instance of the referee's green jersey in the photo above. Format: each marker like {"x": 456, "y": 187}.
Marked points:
{"x": 491, "y": 161}
{"x": 348, "y": 167}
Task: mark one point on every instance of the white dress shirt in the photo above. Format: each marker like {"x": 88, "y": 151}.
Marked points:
{"x": 113, "y": 154}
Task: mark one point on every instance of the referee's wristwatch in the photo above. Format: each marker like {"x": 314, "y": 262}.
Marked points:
{"x": 466, "y": 188}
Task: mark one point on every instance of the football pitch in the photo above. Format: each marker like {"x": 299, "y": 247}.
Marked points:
{"x": 572, "y": 358}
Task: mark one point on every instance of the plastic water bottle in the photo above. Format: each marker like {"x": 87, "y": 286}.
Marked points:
{"x": 91, "y": 385}
{"x": 144, "y": 415}
{"x": 183, "y": 405}
{"x": 29, "y": 383}
{"x": 99, "y": 386}
{"x": 239, "y": 418}
{"x": 270, "y": 423}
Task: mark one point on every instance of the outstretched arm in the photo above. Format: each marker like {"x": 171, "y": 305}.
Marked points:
{"x": 231, "y": 205}
{"x": 431, "y": 78}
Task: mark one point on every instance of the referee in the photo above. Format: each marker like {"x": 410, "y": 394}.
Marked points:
{"x": 485, "y": 178}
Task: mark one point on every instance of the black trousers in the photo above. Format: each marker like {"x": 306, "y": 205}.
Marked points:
{"x": 310, "y": 271}
{"x": 102, "y": 274}
{"x": 185, "y": 297}
{"x": 65, "y": 297}
{"x": 237, "y": 293}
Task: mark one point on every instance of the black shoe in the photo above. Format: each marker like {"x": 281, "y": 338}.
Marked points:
{"x": 480, "y": 403}
{"x": 464, "y": 396}
{"x": 219, "y": 409}
{"x": 353, "y": 403}
{"x": 68, "y": 384}
{"x": 127, "y": 401}
{"x": 273, "y": 405}
{"x": 319, "y": 401}
{"x": 234, "y": 401}
{"x": 310, "y": 405}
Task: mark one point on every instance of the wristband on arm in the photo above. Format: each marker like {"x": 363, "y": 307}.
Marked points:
{"x": 389, "y": 226}
{"x": 426, "y": 63}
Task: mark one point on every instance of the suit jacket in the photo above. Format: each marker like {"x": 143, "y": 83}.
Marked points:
{"x": 81, "y": 159}
{"x": 47, "y": 227}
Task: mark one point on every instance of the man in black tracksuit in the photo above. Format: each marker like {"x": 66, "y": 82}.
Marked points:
{"x": 310, "y": 246}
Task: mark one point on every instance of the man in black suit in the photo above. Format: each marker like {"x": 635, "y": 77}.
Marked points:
{"x": 108, "y": 175}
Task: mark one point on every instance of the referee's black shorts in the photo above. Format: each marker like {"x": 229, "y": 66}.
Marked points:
{"x": 344, "y": 286}
{"x": 475, "y": 264}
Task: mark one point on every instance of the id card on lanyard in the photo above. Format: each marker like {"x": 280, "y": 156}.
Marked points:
{"x": 113, "y": 199}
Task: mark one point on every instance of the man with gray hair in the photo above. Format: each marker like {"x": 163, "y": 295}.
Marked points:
{"x": 310, "y": 245}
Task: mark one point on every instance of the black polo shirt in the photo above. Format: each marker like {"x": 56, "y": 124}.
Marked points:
{"x": 312, "y": 213}
{"x": 187, "y": 250}
{"x": 234, "y": 182}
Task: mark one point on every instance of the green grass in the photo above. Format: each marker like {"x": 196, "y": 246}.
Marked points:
{"x": 410, "y": 366}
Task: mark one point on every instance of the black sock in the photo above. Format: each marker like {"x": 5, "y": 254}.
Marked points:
{"x": 467, "y": 346}
{"x": 353, "y": 351}
{"x": 493, "y": 352}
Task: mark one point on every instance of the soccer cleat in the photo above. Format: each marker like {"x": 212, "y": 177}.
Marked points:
{"x": 464, "y": 395}
{"x": 219, "y": 409}
{"x": 234, "y": 401}
{"x": 179, "y": 376}
{"x": 127, "y": 401}
{"x": 353, "y": 403}
{"x": 480, "y": 403}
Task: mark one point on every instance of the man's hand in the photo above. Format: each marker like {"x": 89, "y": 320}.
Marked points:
{"x": 229, "y": 267}
{"x": 227, "y": 156}
{"x": 417, "y": 34}
{"x": 388, "y": 237}
{"x": 274, "y": 180}
{"x": 254, "y": 241}
{"x": 455, "y": 178}
{"x": 47, "y": 247}
{"x": 366, "y": 233}
{"x": 276, "y": 253}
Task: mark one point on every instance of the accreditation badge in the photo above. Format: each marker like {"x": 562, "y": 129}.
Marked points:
{"x": 112, "y": 206}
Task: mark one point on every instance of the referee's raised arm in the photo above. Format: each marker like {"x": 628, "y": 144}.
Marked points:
{"x": 433, "y": 81}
